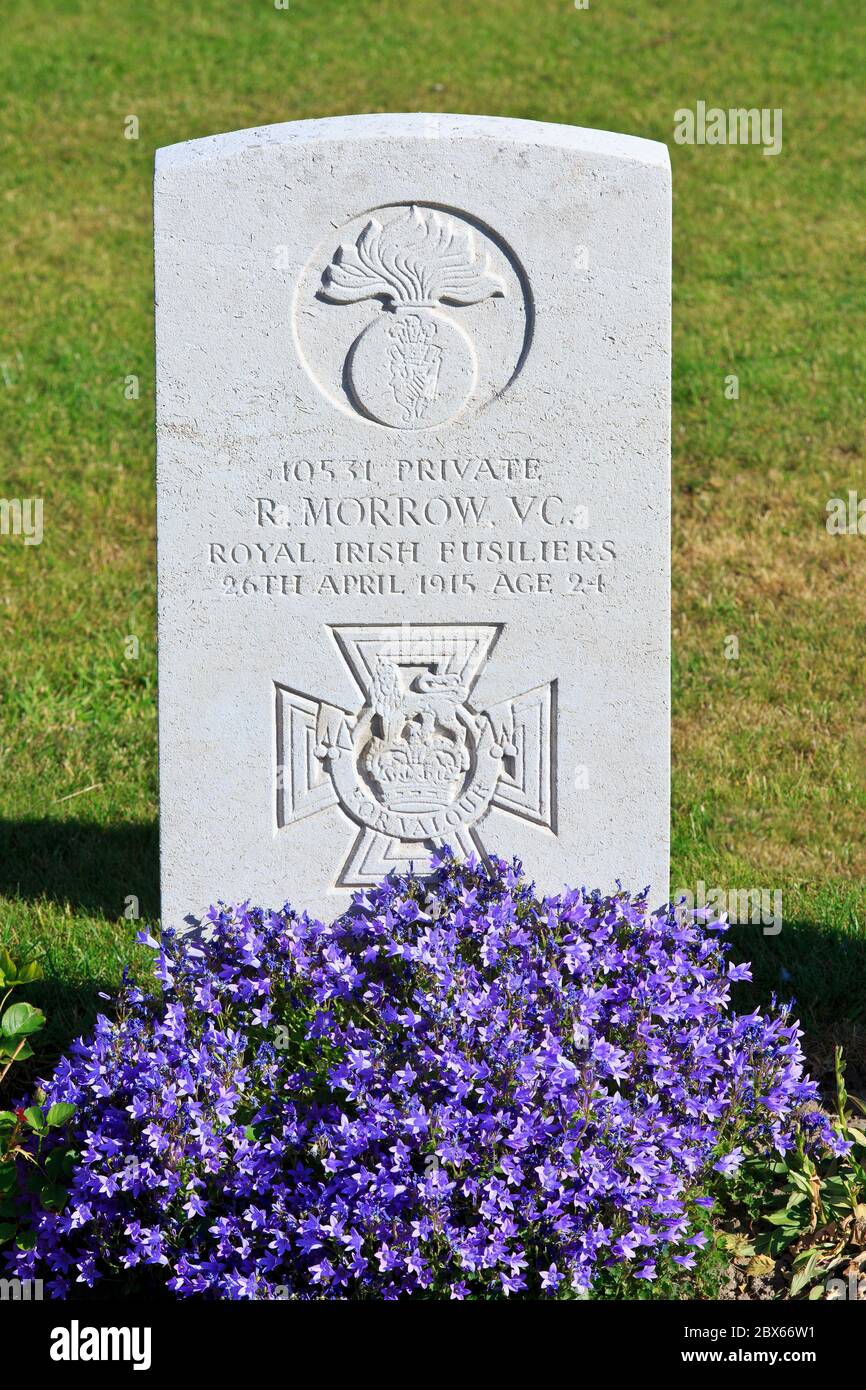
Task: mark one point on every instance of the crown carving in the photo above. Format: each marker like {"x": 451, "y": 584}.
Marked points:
{"x": 416, "y": 773}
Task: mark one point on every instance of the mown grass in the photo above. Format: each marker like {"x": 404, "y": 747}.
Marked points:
{"x": 769, "y": 760}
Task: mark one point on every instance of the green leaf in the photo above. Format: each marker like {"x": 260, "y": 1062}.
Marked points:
{"x": 30, "y": 972}
{"x": 805, "y": 1275}
{"x": 776, "y": 1242}
{"x": 24, "y": 974}
{"x": 776, "y": 1246}
{"x": 35, "y": 1118}
{"x": 55, "y": 1165}
{"x": 59, "y": 1113}
{"x": 7, "y": 1230}
{"x": 836, "y": 1189}
{"x": 740, "y": 1246}
{"x": 26, "y": 1240}
{"x": 817, "y": 1292}
{"x": 7, "y": 1117}
{"x": 801, "y": 1182}
{"x": 786, "y": 1217}
{"x": 759, "y": 1166}
{"x": 54, "y": 1197}
{"x": 10, "y": 1049}
{"x": 20, "y": 1020}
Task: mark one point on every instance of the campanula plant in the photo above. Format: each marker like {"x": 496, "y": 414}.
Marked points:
{"x": 456, "y": 1090}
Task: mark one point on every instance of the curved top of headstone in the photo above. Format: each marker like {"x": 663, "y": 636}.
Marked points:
{"x": 413, "y": 475}
{"x": 420, "y": 125}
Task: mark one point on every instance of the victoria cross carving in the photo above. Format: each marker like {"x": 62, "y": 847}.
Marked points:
{"x": 418, "y": 763}
{"x": 413, "y": 365}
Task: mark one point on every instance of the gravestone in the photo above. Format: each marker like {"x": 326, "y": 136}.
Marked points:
{"x": 413, "y": 505}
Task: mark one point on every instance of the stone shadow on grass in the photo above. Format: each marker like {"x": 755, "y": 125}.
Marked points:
{"x": 824, "y": 971}
{"x": 95, "y": 868}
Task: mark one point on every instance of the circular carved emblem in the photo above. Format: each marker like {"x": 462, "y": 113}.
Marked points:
{"x": 410, "y": 315}
{"x": 421, "y": 762}
{"x": 411, "y": 368}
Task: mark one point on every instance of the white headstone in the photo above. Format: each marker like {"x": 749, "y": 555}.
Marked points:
{"x": 414, "y": 505}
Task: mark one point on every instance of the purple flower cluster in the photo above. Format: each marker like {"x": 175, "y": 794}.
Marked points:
{"x": 455, "y": 1090}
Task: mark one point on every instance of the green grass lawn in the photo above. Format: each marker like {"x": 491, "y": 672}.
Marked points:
{"x": 769, "y": 750}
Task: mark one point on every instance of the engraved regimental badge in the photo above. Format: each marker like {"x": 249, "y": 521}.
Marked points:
{"x": 413, "y": 365}
{"x": 418, "y": 763}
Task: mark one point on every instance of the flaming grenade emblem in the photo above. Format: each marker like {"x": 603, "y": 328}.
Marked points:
{"x": 413, "y": 366}
{"x": 419, "y": 763}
